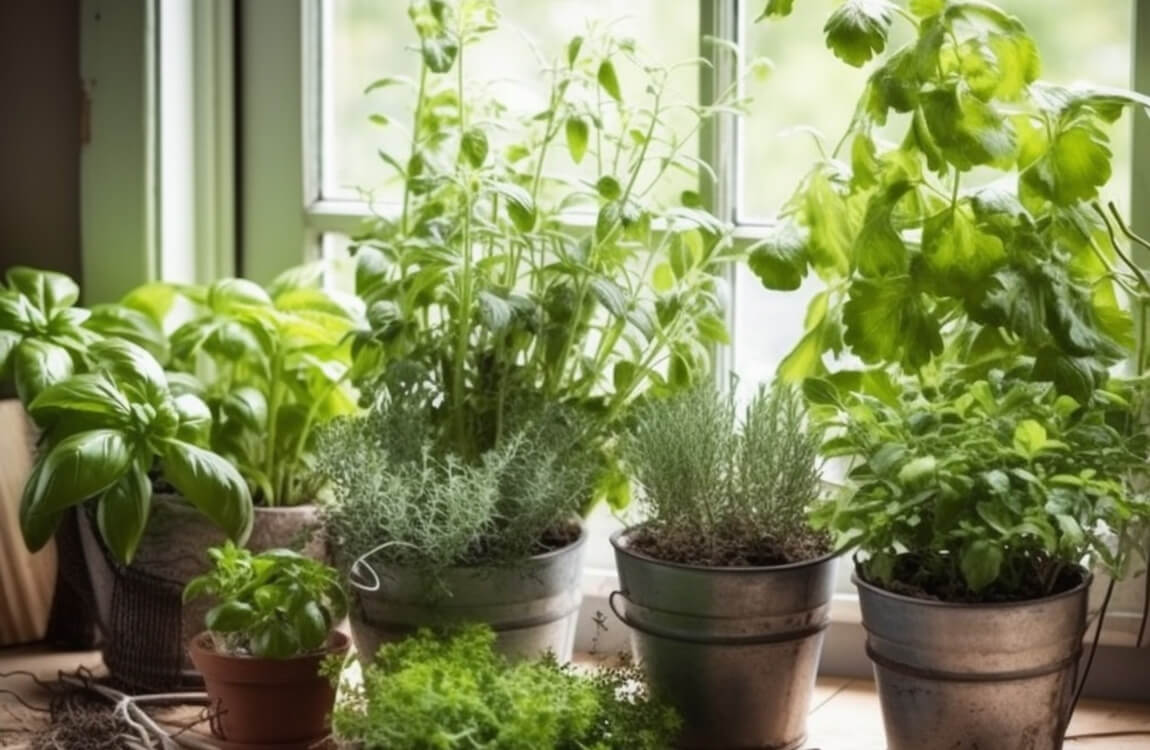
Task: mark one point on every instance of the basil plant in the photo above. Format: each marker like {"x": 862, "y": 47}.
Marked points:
{"x": 106, "y": 432}
{"x": 271, "y": 364}
{"x": 540, "y": 252}
{"x": 44, "y": 337}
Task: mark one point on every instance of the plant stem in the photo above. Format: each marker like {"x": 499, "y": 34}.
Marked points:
{"x": 463, "y": 325}
{"x": 275, "y": 398}
{"x": 414, "y": 139}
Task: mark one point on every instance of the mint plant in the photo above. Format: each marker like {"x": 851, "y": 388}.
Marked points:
{"x": 104, "y": 434}
{"x": 274, "y": 605}
{"x": 500, "y": 277}
{"x": 995, "y": 489}
{"x": 970, "y": 239}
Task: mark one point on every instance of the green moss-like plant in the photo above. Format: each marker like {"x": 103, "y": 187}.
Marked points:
{"x": 456, "y": 693}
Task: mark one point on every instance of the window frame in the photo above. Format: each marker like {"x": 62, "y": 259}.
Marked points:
{"x": 283, "y": 216}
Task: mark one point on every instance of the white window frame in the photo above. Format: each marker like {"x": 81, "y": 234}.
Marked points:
{"x": 282, "y": 215}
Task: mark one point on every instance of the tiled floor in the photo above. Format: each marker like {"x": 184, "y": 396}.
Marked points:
{"x": 845, "y": 714}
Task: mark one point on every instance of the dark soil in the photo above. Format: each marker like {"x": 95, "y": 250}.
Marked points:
{"x": 558, "y": 538}
{"x": 915, "y": 577}
{"x": 731, "y": 550}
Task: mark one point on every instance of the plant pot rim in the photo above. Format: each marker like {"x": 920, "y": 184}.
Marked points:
{"x": 541, "y": 557}
{"x": 1087, "y": 579}
{"x": 337, "y": 642}
{"x": 619, "y": 539}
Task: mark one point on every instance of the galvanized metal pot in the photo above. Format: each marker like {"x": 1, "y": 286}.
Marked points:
{"x": 974, "y": 676}
{"x": 735, "y": 650}
{"x": 533, "y": 607}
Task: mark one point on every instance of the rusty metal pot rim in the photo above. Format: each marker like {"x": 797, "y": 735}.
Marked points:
{"x": 619, "y": 539}
{"x": 1087, "y": 579}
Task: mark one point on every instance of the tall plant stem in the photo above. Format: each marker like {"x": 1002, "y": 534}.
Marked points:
{"x": 275, "y": 398}
{"x": 463, "y": 324}
{"x": 414, "y": 138}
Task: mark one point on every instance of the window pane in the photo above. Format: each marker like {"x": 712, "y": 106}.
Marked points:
{"x": 367, "y": 39}
{"x": 1079, "y": 41}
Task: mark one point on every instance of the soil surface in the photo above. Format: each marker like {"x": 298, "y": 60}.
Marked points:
{"x": 730, "y": 550}
{"x": 914, "y": 579}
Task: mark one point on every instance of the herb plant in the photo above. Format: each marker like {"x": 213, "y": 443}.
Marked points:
{"x": 105, "y": 432}
{"x": 274, "y": 605}
{"x": 397, "y": 495}
{"x": 991, "y": 490}
{"x": 272, "y": 364}
{"x": 500, "y": 277}
{"x": 719, "y": 490}
{"x": 970, "y": 239}
{"x": 456, "y": 692}
{"x": 44, "y": 337}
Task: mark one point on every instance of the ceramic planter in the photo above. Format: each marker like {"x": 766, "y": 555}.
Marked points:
{"x": 735, "y": 650}
{"x": 967, "y": 676}
{"x": 139, "y": 606}
{"x": 533, "y": 607}
{"x": 267, "y": 703}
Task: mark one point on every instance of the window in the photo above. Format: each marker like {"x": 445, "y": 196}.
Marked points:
{"x": 346, "y": 44}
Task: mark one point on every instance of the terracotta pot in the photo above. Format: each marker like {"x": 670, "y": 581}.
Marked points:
{"x": 256, "y": 703}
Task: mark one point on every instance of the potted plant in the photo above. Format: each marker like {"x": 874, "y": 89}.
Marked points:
{"x": 967, "y": 257}
{"x": 272, "y": 364}
{"x": 490, "y": 299}
{"x": 455, "y": 691}
{"x": 726, "y": 588}
{"x": 974, "y": 508}
{"x": 268, "y": 633}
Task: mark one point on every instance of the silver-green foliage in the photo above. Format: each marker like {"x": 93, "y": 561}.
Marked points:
{"x": 393, "y": 488}
{"x": 725, "y": 478}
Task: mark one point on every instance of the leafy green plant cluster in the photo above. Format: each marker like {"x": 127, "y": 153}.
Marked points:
{"x": 456, "y": 692}
{"x": 103, "y": 434}
{"x": 271, "y": 363}
{"x": 970, "y": 239}
{"x": 44, "y": 337}
{"x": 718, "y": 489}
{"x": 502, "y": 275}
{"x": 274, "y": 605}
{"x": 996, "y": 489}
{"x": 396, "y": 495}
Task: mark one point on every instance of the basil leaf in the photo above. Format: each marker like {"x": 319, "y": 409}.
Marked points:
{"x": 122, "y": 514}
{"x": 211, "y": 484}
{"x": 37, "y": 364}
{"x": 79, "y": 467}
{"x": 92, "y": 393}
{"x": 47, "y": 290}
{"x": 609, "y": 80}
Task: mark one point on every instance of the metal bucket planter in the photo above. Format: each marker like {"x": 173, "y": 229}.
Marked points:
{"x": 139, "y": 608}
{"x": 967, "y": 676}
{"x": 532, "y": 607}
{"x": 735, "y": 650}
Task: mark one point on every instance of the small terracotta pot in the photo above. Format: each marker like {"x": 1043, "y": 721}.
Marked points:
{"x": 267, "y": 703}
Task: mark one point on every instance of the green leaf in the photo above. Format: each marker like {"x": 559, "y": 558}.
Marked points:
{"x": 311, "y": 625}
{"x": 132, "y": 368}
{"x": 918, "y": 469}
{"x": 122, "y": 514}
{"x": 573, "y": 48}
{"x": 879, "y": 249}
{"x": 578, "y": 131}
{"x": 607, "y": 219}
{"x": 275, "y": 641}
{"x": 212, "y": 485}
{"x": 121, "y": 321}
{"x": 609, "y": 80}
{"x": 608, "y": 187}
{"x": 777, "y": 8}
{"x": 38, "y": 364}
{"x": 924, "y": 8}
{"x": 611, "y": 296}
{"x": 154, "y": 300}
{"x": 857, "y": 30}
{"x": 968, "y": 130}
{"x": 780, "y": 258}
{"x": 248, "y": 407}
{"x": 957, "y": 253}
{"x": 1074, "y": 376}
{"x": 91, "y": 393}
{"x": 805, "y": 359}
{"x": 520, "y": 207}
{"x": 79, "y": 467}
{"x": 981, "y": 564}
{"x": 47, "y": 290}
{"x": 887, "y": 320}
{"x": 1074, "y": 166}
{"x": 828, "y": 220}
{"x": 820, "y": 392}
{"x": 712, "y": 328}
{"x": 1029, "y": 438}
{"x": 230, "y": 617}
{"x": 231, "y": 295}
{"x": 495, "y": 313}
{"x": 195, "y": 419}
{"x": 473, "y": 147}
